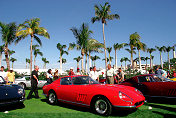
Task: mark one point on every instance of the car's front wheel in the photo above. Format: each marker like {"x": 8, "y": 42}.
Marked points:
{"x": 102, "y": 106}
{"x": 52, "y": 98}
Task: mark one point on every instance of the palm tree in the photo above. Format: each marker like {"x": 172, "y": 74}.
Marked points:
{"x": 27, "y": 62}
{"x": 63, "y": 61}
{"x": 121, "y": 60}
{"x": 118, "y": 47}
{"x": 62, "y": 51}
{"x": 146, "y": 58}
{"x": 102, "y": 14}
{"x": 94, "y": 58}
{"x": 140, "y": 46}
{"x": 109, "y": 49}
{"x": 37, "y": 52}
{"x": 134, "y": 40}
{"x": 1, "y": 51}
{"x": 93, "y": 46}
{"x": 150, "y": 50}
{"x": 77, "y": 60}
{"x": 10, "y": 52}
{"x": 174, "y": 51}
{"x": 161, "y": 49}
{"x": 168, "y": 49}
{"x": 82, "y": 35}
{"x": 13, "y": 60}
{"x": 8, "y": 36}
{"x": 45, "y": 62}
{"x": 31, "y": 28}
{"x": 131, "y": 51}
{"x": 126, "y": 59}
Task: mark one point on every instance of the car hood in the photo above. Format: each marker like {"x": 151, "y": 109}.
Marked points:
{"x": 130, "y": 91}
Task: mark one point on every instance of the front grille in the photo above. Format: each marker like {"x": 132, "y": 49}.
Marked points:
{"x": 139, "y": 103}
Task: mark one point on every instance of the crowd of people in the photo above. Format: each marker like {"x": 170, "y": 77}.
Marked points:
{"x": 9, "y": 76}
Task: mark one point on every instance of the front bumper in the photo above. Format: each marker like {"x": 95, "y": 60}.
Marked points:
{"x": 136, "y": 105}
{"x": 12, "y": 101}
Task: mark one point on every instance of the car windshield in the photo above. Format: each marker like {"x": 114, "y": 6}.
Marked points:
{"x": 1, "y": 80}
{"x": 159, "y": 78}
{"x": 83, "y": 80}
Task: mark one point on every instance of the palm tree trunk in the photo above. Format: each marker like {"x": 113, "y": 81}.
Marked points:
{"x": 161, "y": 60}
{"x": 82, "y": 61}
{"x": 12, "y": 65}
{"x": 105, "y": 48}
{"x": 125, "y": 65}
{"x": 109, "y": 59}
{"x": 139, "y": 60}
{"x": 0, "y": 59}
{"x": 146, "y": 66}
{"x": 132, "y": 63}
{"x": 89, "y": 60}
{"x": 94, "y": 62}
{"x": 26, "y": 65}
{"x": 34, "y": 60}
{"x": 6, "y": 56}
{"x": 150, "y": 61}
{"x": 169, "y": 60}
{"x": 174, "y": 54}
{"x": 115, "y": 60}
{"x": 31, "y": 55}
{"x": 121, "y": 64}
{"x": 77, "y": 64}
{"x": 86, "y": 64}
{"x": 60, "y": 62}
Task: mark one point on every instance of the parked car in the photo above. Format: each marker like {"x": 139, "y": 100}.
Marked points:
{"x": 84, "y": 91}
{"x": 25, "y": 82}
{"x": 152, "y": 85}
{"x": 10, "y": 94}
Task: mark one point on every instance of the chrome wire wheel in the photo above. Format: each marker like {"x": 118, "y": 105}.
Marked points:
{"x": 101, "y": 106}
{"x": 52, "y": 98}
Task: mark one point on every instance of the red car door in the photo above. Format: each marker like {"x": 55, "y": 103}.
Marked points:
{"x": 65, "y": 91}
{"x": 149, "y": 87}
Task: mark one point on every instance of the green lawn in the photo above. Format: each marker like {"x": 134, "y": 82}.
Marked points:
{"x": 39, "y": 108}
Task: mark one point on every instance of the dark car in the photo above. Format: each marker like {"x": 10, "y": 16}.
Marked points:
{"x": 152, "y": 85}
{"x": 10, "y": 94}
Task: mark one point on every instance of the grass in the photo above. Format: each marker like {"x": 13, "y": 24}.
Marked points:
{"x": 39, "y": 108}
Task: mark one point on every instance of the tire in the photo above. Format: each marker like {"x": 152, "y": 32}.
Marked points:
{"x": 52, "y": 98}
{"x": 23, "y": 85}
{"x": 102, "y": 106}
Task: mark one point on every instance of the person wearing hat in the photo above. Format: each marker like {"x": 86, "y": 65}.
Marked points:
{"x": 71, "y": 72}
{"x": 11, "y": 76}
{"x": 78, "y": 72}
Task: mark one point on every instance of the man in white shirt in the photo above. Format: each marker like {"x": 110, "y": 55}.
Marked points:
{"x": 3, "y": 73}
{"x": 94, "y": 74}
{"x": 110, "y": 75}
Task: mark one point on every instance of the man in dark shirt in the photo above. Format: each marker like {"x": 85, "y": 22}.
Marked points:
{"x": 34, "y": 82}
{"x": 158, "y": 71}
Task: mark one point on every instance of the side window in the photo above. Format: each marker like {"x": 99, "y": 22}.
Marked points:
{"x": 66, "y": 81}
{"x": 144, "y": 79}
{"x": 80, "y": 80}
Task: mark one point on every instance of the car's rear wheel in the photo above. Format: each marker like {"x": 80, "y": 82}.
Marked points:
{"x": 52, "y": 98}
{"x": 23, "y": 85}
{"x": 102, "y": 106}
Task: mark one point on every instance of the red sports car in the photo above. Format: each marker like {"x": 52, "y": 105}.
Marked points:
{"x": 84, "y": 91}
{"x": 152, "y": 85}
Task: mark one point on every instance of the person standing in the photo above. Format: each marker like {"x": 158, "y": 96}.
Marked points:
{"x": 94, "y": 74}
{"x": 56, "y": 74}
{"x": 78, "y": 72}
{"x": 158, "y": 71}
{"x": 71, "y": 72}
{"x": 120, "y": 76}
{"x": 11, "y": 76}
{"x": 49, "y": 76}
{"x": 3, "y": 73}
{"x": 34, "y": 83}
{"x": 110, "y": 75}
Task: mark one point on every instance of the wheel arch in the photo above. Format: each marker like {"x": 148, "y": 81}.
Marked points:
{"x": 23, "y": 84}
{"x": 98, "y": 96}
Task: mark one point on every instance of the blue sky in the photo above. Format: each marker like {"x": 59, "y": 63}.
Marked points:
{"x": 154, "y": 20}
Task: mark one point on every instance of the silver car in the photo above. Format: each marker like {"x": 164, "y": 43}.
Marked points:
{"x": 25, "y": 82}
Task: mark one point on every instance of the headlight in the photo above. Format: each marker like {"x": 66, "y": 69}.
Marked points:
{"x": 138, "y": 91}
{"x": 124, "y": 97}
{"x": 20, "y": 91}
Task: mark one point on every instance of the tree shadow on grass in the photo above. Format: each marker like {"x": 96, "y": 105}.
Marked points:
{"x": 119, "y": 112}
{"x": 11, "y": 107}
{"x": 164, "y": 107}
{"x": 165, "y": 115}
